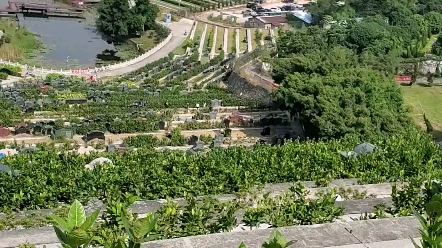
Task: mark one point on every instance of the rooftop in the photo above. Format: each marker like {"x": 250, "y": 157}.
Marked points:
{"x": 273, "y": 19}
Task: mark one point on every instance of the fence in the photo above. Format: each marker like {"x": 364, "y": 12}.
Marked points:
{"x": 88, "y": 71}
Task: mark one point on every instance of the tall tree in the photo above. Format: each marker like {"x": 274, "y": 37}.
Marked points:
{"x": 118, "y": 18}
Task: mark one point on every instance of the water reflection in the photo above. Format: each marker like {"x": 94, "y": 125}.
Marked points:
{"x": 69, "y": 41}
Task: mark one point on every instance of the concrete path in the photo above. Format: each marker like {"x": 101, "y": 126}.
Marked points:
{"x": 237, "y": 43}
{"x": 215, "y": 34}
{"x": 192, "y": 34}
{"x": 200, "y": 48}
{"x": 262, "y": 37}
{"x": 178, "y": 37}
{"x": 249, "y": 41}
{"x": 225, "y": 43}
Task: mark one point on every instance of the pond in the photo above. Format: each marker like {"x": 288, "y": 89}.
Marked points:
{"x": 71, "y": 43}
{"x": 68, "y": 42}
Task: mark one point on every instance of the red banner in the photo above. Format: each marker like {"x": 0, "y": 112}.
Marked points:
{"x": 403, "y": 78}
{"x": 81, "y": 71}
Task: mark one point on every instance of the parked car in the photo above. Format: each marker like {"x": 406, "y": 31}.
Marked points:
{"x": 257, "y": 8}
{"x": 275, "y": 9}
{"x": 251, "y": 5}
{"x": 249, "y": 12}
{"x": 267, "y": 10}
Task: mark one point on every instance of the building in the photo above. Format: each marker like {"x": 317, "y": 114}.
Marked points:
{"x": 266, "y": 22}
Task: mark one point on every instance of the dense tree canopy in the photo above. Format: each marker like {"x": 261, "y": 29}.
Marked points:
{"x": 118, "y": 18}
{"x": 335, "y": 95}
{"x": 338, "y": 74}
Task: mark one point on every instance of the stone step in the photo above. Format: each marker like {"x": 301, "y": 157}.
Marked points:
{"x": 385, "y": 233}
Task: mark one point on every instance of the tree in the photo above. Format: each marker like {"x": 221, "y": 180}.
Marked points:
{"x": 118, "y": 19}
{"x": 335, "y": 96}
{"x": 434, "y": 20}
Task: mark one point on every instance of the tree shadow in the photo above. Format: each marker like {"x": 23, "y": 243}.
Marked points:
{"x": 437, "y": 134}
{"x": 108, "y": 55}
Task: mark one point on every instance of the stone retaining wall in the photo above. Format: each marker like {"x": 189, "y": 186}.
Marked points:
{"x": 91, "y": 71}
{"x": 352, "y": 234}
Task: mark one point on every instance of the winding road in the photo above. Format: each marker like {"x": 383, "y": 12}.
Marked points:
{"x": 178, "y": 37}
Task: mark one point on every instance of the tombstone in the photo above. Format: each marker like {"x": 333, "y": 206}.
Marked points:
{"x": 228, "y": 132}
{"x": 6, "y": 169}
{"x": 226, "y": 122}
{"x": 191, "y": 152}
{"x": 192, "y": 140}
{"x": 37, "y": 128}
{"x": 264, "y": 121}
{"x": 47, "y": 101}
{"x": 364, "y": 148}
{"x": 198, "y": 145}
{"x": 213, "y": 115}
{"x": 75, "y": 101}
{"x": 64, "y": 133}
{"x": 278, "y": 121}
{"x": 94, "y": 134}
{"x": 217, "y": 143}
{"x": 216, "y": 103}
{"x": 29, "y": 149}
{"x": 265, "y": 131}
{"x": 162, "y": 125}
{"x": 184, "y": 92}
{"x": 111, "y": 148}
{"x": 21, "y": 129}
{"x": 4, "y": 132}
{"x": 48, "y": 130}
{"x": 157, "y": 93}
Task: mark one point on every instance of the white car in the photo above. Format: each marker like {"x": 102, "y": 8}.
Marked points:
{"x": 249, "y": 13}
{"x": 275, "y": 9}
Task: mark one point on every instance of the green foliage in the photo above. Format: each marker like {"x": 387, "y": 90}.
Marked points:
{"x": 431, "y": 222}
{"x": 73, "y": 232}
{"x": 173, "y": 173}
{"x": 12, "y": 70}
{"x": 336, "y": 97}
{"x": 277, "y": 240}
{"x": 116, "y": 18}
{"x": 3, "y": 76}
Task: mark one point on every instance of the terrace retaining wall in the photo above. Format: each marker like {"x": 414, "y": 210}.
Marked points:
{"x": 92, "y": 71}
{"x": 352, "y": 234}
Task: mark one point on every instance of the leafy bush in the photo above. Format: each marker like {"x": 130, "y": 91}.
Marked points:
{"x": 151, "y": 174}
{"x": 12, "y": 70}
{"x": 3, "y": 76}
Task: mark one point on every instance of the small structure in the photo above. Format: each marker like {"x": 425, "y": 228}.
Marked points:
{"x": 360, "y": 149}
{"x": 6, "y": 169}
{"x": 266, "y": 22}
{"x": 100, "y": 160}
{"x": 4, "y": 131}
{"x": 63, "y": 133}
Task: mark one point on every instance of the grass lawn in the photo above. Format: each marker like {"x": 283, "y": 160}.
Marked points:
{"x": 425, "y": 100}
{"x": 147, "y": 41}
{"x": 21, "y": 43}
{"x": 242, "y": 40}
{"x": 198, "y": 31}
{"x": 231, "y": 41}
{"x": 209, "y": 35}
{"x": 219, "y": 39}
{"x": 253, "y": 34}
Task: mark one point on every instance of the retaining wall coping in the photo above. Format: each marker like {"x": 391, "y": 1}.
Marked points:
{"x": 322, "y": 235}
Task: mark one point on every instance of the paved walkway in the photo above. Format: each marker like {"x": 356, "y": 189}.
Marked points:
{"x": 178, "y": 38}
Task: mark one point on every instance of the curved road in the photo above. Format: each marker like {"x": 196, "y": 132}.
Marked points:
{"x": 178, "y": 37}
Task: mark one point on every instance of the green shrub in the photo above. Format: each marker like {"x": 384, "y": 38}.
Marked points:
{"x": 3, "y": 75}
{"x": 12, "y": 70}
